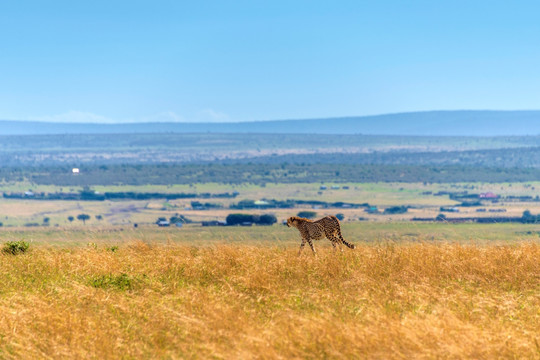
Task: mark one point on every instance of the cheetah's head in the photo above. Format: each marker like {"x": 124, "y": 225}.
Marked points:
{"x": 291, "y": 221}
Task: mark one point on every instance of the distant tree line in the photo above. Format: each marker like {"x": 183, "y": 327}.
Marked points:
{"x": 90, "y": 195}
{"x": 529, "y": 218}
{"x": 197, "y": 205}
{"x": 396, "y": 210}
{"x": 266, "y": 204}
{"x": 291, "y": 203}
{"x": 526, "y": 218}
{"x": 262, "y": 173}
{"x": 246, "y": 219}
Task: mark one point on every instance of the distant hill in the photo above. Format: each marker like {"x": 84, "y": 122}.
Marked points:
{"x": 438, "y": 123}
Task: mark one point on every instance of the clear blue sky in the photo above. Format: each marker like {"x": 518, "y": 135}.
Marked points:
{"x": 256, "y": 60}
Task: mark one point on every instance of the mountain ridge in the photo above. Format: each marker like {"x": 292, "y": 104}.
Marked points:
{"x": 426, "y": 123}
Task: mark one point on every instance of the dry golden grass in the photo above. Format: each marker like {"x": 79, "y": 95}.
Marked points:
{"x": 243, "y": 301}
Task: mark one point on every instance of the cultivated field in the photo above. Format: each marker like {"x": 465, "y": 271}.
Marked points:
{"x": 418, "y": 196}
{"x": 407, "y": 291}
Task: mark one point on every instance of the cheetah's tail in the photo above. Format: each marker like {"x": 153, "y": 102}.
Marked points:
{"x": 348, "y": 244}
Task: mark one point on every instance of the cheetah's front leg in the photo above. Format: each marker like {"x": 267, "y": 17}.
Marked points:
{"x": 302, "y": 246}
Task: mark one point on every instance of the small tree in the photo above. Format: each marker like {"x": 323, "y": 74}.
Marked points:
{"x": 83, "y": 217}
{"x": 528, "y": 217}
{"x": 396, "y": 210}
{"x": 340, "y": 217}
{"x": 440, "y": 217}
{"x": 71, "y": 218}
{"x": 99, "y": 217}
{"x": 237, "y": 219}
{"x": 307, "y": 214}
{"x": 267, "y": 219}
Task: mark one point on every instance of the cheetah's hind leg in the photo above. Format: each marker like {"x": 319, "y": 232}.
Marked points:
{"x": 310, "y": 242}
{"x": 336, "y": 243}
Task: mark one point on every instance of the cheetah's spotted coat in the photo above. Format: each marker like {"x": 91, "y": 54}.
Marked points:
{"x": 316, "y": 230}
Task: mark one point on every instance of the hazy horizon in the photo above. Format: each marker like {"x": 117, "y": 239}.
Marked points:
{"x": 101, "y": 120}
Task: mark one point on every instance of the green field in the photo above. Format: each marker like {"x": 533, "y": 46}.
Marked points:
{"x": 374, "y": 233}
{"x": 420, "y": 197}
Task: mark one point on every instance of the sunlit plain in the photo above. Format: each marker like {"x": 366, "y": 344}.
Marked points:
{"x": 118, "y": 294}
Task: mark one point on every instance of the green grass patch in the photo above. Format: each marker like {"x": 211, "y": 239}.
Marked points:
{"x": 15, "y": 247}
{"x": 122, "y": 282}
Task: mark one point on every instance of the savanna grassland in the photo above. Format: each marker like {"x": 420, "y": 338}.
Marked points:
{"x": 422, "y": 291}
{"x": 102, "y": 288}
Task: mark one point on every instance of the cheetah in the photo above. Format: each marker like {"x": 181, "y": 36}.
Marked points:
{"x": 327, "y": 226}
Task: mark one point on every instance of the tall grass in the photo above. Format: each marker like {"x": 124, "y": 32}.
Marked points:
{"x": 246, "y": 301}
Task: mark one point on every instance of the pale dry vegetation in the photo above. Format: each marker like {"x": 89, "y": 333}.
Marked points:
{"x": 139, "y": 300}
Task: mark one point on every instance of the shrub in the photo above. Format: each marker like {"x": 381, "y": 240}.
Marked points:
{"x": 237, "y": 219}
{"x": 528, "y": 217}
{"x": 15, "y": 247}
{"x": 119, "y": 282}
{"x": 396, "y": 210}
{"x": 307, "y": 214}
{"x": 470, "y": 203}
{"x": 440, "y": 217}
{"x": 267, "y": 219}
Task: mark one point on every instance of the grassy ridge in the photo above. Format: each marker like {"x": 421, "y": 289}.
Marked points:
{"x": 245, "y": 301}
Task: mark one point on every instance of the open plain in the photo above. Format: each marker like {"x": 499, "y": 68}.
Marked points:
{"x": 407, "y": 291}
